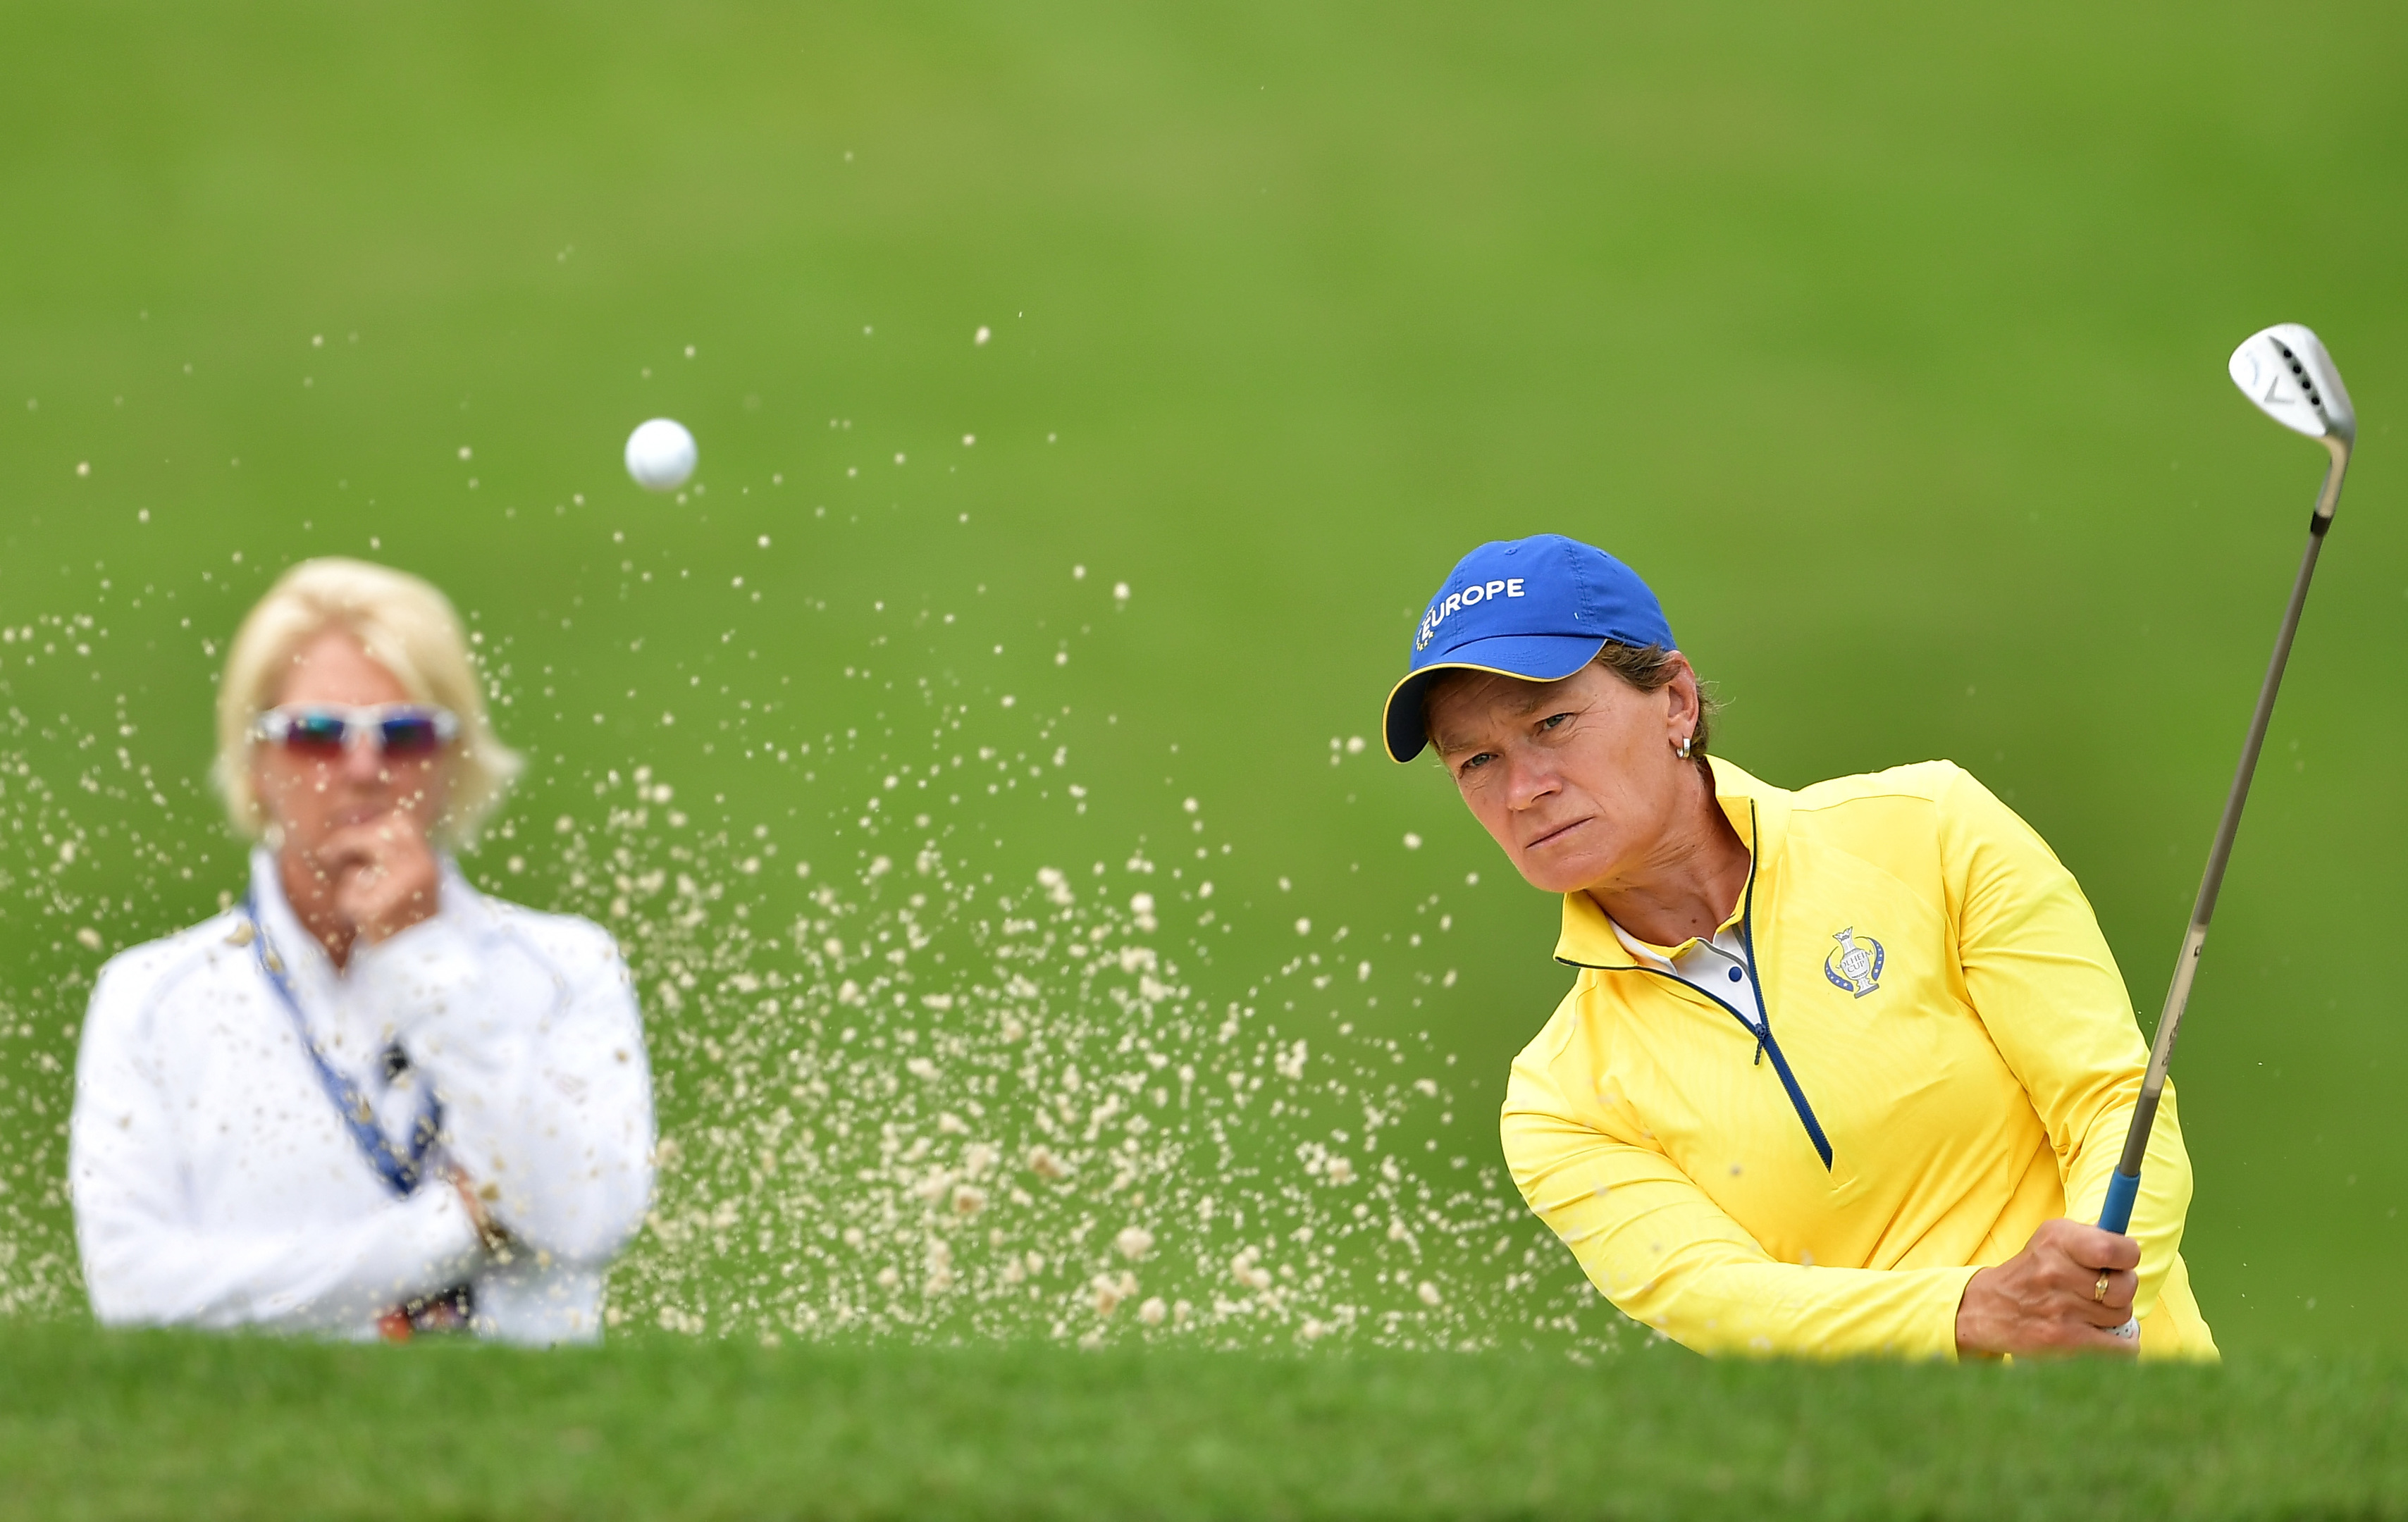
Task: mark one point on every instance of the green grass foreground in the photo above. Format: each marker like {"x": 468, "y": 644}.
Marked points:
{"x": 95, "y": 1425}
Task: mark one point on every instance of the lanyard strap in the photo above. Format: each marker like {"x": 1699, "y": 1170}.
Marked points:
{"x": 401, "y": 1173}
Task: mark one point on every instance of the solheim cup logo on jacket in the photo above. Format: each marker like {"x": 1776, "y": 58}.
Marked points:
{"x": 1851, "y": 967}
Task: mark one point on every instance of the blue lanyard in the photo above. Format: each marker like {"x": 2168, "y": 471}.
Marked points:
{"x": 400, "y": 1175}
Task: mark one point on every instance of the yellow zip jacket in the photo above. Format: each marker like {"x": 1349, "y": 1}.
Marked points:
{"x": 1909, "y": 1117}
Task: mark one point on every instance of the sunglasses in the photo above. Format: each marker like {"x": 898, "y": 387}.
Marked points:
{"x": 328, "y": 729}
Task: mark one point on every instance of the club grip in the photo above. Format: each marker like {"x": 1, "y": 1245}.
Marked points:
{"x": 2122, "y": 1189}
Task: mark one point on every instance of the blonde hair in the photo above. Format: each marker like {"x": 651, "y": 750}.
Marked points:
{"x": 407, "y": 627}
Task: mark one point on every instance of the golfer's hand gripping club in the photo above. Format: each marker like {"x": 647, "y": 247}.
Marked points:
{"x": 2287, "y": 373}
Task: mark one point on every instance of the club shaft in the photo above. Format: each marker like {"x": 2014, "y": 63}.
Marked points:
{"x": 2126, "y": 1185}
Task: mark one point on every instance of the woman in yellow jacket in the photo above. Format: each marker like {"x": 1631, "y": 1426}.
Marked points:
{"x": 1842, "y": 1070}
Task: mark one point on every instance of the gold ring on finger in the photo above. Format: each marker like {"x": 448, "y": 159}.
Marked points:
{"x": 2098, "y": 1290}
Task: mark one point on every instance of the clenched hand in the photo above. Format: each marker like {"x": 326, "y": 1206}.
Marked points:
{"x": 2047, "y": 1299}
{"x": 384, "y": 874}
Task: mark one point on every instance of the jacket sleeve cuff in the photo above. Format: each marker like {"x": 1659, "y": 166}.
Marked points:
{"x": 1945, "y": 1308}
{"x": 433, "y": 1241}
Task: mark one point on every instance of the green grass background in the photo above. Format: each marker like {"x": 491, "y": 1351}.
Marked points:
{"x": 196, "y": 1428}
{"x": 1887, "y": 340}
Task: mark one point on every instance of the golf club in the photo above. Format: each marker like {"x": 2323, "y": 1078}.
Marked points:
{"x": 2286, "y": 371}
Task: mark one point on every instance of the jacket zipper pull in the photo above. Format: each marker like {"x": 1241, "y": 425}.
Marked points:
{"x": 1760, "y": 1051}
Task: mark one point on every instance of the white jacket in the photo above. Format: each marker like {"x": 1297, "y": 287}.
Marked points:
{"x": 216, "y": 1183}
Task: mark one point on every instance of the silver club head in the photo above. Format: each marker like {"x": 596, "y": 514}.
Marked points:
{"x": 2286, "y": 371}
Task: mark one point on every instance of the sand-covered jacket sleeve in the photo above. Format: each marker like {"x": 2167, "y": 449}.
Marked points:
{"x": 152, "y": 1258}
{"x": 529, "y": 1029}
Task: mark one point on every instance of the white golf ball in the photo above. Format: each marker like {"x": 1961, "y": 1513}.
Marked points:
{"x": 660, "y": 454}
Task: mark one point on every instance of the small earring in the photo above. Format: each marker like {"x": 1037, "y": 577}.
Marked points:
{"x": 1682, "y": 749}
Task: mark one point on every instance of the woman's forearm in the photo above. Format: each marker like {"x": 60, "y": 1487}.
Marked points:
{"x": 142, "y": 1271}
{"x": 546, "y": 1092}
{"x": 1667, "y": 1256}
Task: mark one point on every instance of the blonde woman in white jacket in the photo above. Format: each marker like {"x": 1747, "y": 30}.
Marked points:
{"x": 366, "y": 1099}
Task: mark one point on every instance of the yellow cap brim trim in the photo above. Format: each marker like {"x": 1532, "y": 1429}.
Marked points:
{"x": 1387, "y": 710}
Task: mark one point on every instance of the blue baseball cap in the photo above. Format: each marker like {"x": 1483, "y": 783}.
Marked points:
{"x": 1539, "y": 609}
